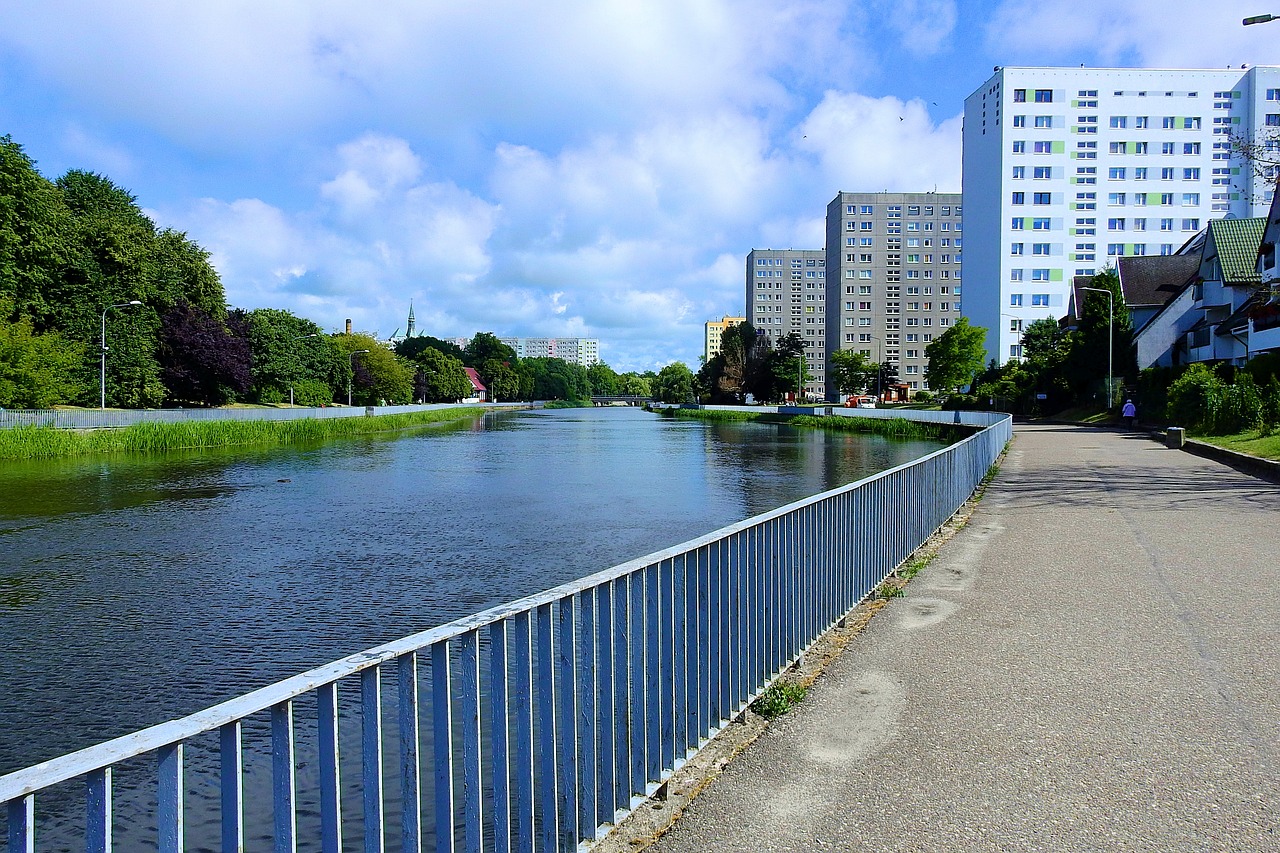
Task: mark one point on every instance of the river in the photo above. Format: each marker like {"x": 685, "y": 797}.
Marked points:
{"x": 136, "y": 590}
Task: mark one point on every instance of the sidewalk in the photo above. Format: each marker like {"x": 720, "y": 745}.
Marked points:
{"x": 1091, "y": 664}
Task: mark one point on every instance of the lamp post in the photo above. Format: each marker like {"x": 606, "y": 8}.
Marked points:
{"x": 1111, "y": 334}
{"x": 102, "y": 399}
{"x": 1260, "y": 19}
{"x": 352, "y": 373}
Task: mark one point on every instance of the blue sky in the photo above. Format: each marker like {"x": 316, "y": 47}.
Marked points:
{"x": 591, "y": 168}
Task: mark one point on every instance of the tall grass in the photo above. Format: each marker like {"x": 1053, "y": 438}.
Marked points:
{"x": 895, "y": 427}
{"x": 43, "y": 442}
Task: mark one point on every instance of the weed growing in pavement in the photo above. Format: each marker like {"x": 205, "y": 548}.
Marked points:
{"x": 778, "y": 699}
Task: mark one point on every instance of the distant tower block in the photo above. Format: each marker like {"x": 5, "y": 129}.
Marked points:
{"x": 348, "y": 325}
{"x": 408, "y": 331}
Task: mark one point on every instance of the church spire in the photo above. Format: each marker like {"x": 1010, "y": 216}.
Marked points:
{"x": 408, "y": 332}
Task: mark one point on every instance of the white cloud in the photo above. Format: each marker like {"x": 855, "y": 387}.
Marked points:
{"x": 866, "y": 144}
{"x": 922, "y": 26}
{"x": 415, "y": 240}
{"x": 1143, "y": 33}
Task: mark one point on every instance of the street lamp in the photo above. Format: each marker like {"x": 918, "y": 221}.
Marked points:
{"x": 102, "y": 400}
{"x": 1111, "y": 334}
{"x": 1261, "y": 19}
{"x": 353, "y": 370}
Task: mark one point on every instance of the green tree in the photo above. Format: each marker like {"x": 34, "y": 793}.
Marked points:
{"x": 410, "y": 348}
{"x": 955, "y": 356}
{"x": 440, "y": 378}
{"x": 852, "y": 372}
{"x": 502, "y": 380}
{"x": 674, "y": 383}
{"x": 36, "y": 371}
{"x": 774, "y": 371}
{"x": 36, "y": 236}
{"x": 1100, "y": 339}
{"x": 377, "y": 375}
{"x": 485, "y": 346}
{"x": 634, "y": 385}
{"x": 604, "y": 381}
{"x": 555, "y": 379}
{"x": 292, "y": 353}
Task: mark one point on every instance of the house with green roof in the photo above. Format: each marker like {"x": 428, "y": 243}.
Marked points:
{"x": 1208, "y": 319}
{"x": 1227, "y": 280}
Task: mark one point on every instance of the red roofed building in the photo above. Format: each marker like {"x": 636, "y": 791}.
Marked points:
{"x": 479, "y": 393}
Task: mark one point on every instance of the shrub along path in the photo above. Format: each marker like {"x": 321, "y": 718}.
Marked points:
{"x": 1089, "y": 664}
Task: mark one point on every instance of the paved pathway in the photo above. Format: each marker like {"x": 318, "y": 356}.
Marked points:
{"x": 1091, "y": 664}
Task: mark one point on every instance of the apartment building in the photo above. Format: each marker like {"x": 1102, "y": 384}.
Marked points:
{"x": 712, "y": 332}
{"x": 1067, "y": 170}
{"x": 584, "y": 351}
{"x": 786, "y": 292}
{"x": 893, "y": 283}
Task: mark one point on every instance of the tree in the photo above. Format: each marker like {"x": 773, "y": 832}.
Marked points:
{"x": 674, "y": 383}
{"x": 290, "y": 353}
{"x": 604, "y": 382}
{"x": 555, "y": 379}
{"x": 484, "y": 346}
{"x": 410, "y": 348}
{"x": 502, "y": 380}
{"x": 36, "y": 371}
{"x": 439, "y": 378}
{"x": 377, "y": 376}
{"x": 201, "y": 361}
{"x": 955, "y": 356}
{"x": 634, "y": 385}
{"x": 852, "y": 372}
{"x": 1101, "y": 338}
{"x": 774, "y": 371}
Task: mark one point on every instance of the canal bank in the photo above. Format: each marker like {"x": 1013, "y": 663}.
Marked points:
{"x": 1087, "y": 665}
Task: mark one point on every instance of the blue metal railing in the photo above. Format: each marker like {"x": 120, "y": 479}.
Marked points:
{"x": 536, "y": 725}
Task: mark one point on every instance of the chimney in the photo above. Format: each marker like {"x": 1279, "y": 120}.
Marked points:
{"x": 348, "y": 325}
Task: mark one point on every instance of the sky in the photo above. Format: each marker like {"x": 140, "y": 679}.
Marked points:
{"x": 570, "y": 169}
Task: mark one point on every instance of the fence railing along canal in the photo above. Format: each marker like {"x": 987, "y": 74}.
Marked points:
{"x": 534, "y": 726}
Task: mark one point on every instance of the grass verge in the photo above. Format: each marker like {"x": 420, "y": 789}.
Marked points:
{"x": 34, "y": 442}
{"x": 1251, "y": 442}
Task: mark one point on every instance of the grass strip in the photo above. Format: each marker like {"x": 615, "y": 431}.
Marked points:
{"x": 1252, "y": 442}
{"x": 47, "y": 442}
{"x": 895, "y": 427}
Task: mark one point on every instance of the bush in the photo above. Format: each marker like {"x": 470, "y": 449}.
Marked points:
{"x": 1241, "y": 407}
{"x": 1271, "y": 406}
{"x": 1195, "y": 398}
{"x": 923, "y": 397}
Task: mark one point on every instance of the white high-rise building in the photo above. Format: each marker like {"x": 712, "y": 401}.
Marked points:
{"x": 1066, "y": 170}
{"x": 786, "y": 294}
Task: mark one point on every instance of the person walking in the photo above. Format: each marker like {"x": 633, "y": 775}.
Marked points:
{"x": 1129, "y": 413}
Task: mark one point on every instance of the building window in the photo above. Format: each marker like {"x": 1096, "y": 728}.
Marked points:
{"x": 1039, "y": 248}
{"x": 1040, "y": 300}
{"x": 1166, "y": 147}
{"x": 1116, "y": 198}
{"x": 1019, "y": 96}
{"x": 1044, "y": 121}
{"x": 1139, "y": 148}
{"x": 1040, "y": 225}
{"x": 1016, "y": 224}
{"x": 1042, "y": 198}
{"x": 1039, "y": 275}
{"x": 1118, "y": 148}
{"x": 1043, "y": 172}
{"x": 1191, "y": 148}
{"x": 1115, "y": 173}
{"x": 1015, "y": 275}
{"x": 1115, "y": 224}
{"x": 1016, "y": 249}
{"x": 1044, "y": 148}
{"x": 1140, "y": 122}
{"x": 1044, "y": 96}
{"x": 1019, "y": 146}
{"x": 1191, "y": 225}
{"x": 1118, "y": 121}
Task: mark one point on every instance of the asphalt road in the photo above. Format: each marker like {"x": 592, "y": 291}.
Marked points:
{"x": 1090, "y": 664}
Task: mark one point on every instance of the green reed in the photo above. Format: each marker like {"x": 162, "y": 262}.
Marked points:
{"x": 45, "y": 442}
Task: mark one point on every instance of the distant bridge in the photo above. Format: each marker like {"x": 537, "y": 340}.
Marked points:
{"x": 621, "y": 400}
